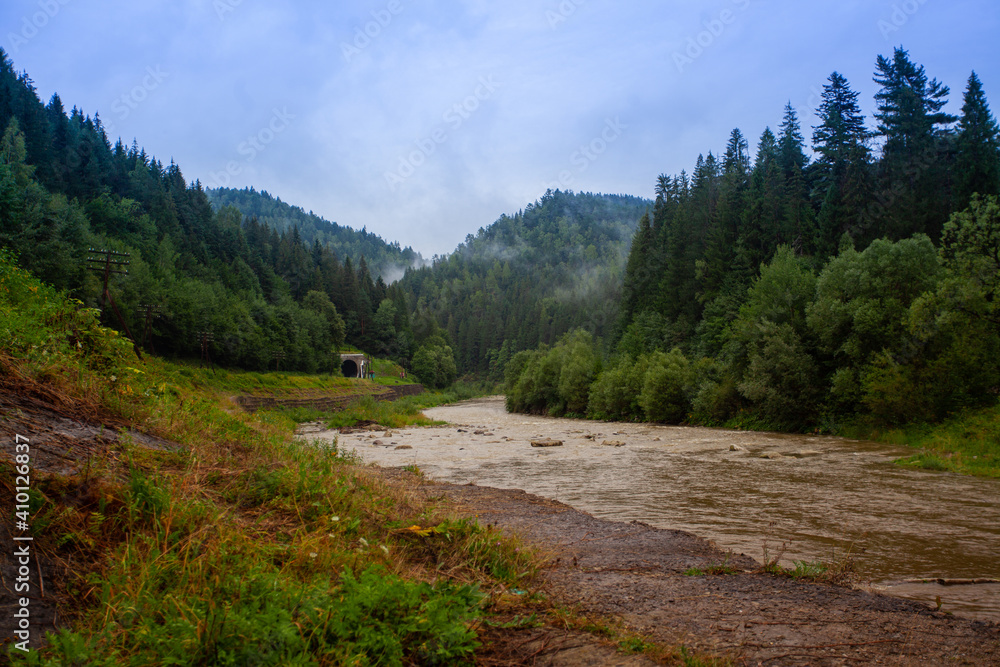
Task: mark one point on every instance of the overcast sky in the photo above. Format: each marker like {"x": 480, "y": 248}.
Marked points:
{"x": 424, "y": 120}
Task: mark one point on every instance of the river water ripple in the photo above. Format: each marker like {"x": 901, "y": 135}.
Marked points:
{"x": 819, "y": 496}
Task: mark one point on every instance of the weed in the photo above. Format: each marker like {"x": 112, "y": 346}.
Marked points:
{"x": 806, "y": 570}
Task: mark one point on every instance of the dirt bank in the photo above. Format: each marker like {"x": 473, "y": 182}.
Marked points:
{"x": 636, "y": 572}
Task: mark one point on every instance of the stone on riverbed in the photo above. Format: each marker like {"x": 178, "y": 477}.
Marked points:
{"x": 547, "y": 443}
{"x": 403, "y": 447}
{"x": 771, "y": 456}
{"x": 737, "y": 448}
{"x": 806, "y": 453}
{"x": 613, "y": 443}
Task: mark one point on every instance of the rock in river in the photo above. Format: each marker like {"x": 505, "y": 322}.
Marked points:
{"x": 613, "y": 443}
{"x": 547, "y": 443}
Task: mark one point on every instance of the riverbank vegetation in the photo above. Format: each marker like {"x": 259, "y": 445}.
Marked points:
{"x": 853, "y": 293}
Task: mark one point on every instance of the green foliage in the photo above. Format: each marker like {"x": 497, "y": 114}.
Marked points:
{"x": 768, "y": 352}
{"x": 978, "y": 144}
{"x": 617, "y": 393}
{"x": 780, "y": 379}
{"x": 862, "y": 298}
{"x": 970, "y": 246}
{"x": 554, "y": 380}
{"x": 49, "y": 332}
{"x": 258, "y": 616}
{"x": 434, "y": 364}
{"x": 667, "y": 387}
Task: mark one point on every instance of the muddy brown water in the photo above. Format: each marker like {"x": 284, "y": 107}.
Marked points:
{"x": 820, "y": 497}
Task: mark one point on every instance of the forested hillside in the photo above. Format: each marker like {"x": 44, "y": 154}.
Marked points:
{"x": 258, "y": 297}
{"x": 385, "y": 260}
{"x": 800, "y": 291}
{"x": 529, "y": 278}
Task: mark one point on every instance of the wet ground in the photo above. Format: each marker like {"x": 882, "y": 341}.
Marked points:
{"x": 817, "y": 498}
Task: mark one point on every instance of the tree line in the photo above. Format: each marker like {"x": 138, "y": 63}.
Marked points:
{"x": 387, "y": 260}
{"x": 800, "y": 291}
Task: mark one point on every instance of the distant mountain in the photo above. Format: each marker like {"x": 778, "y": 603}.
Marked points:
{"x": 529, "y": 278}
{"x": 388, "y": 260}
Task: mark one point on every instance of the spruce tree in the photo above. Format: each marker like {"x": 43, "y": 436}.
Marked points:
{"x": 913, "y": 171}
{"x": 799, "y": 218}
{"x": 841, "y": 140}
{"x": 977, "y": 169}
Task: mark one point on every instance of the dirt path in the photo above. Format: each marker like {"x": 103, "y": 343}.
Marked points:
{"x": 635, "y": 571}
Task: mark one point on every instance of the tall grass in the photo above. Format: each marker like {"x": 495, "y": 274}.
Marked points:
{"x": 968, "y": 443}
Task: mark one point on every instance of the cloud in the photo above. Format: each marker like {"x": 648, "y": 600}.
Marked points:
{"x": 559, "y": 82}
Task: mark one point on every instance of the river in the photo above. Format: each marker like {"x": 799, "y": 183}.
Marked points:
{"x": 815, "y": 498}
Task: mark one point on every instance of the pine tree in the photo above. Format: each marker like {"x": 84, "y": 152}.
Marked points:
{"x": 763, "y": 228}
{"x": 841, "y": 140}
{"x": 978, "y": 162}
{"x": 799, "y": 216}
{"x": 913, "y": 170}
{"x": 639, "y": 274}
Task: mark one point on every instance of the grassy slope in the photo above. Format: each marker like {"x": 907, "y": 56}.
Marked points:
{"x": 243, "y": 546}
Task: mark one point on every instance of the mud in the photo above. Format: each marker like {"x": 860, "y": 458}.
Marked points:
{"x": 636, "y": 572}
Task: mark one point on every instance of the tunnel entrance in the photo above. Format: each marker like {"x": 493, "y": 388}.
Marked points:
{"x": 349, "y": 369}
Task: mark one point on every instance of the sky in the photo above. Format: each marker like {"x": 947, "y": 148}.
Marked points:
{"x": 424, "y": 120}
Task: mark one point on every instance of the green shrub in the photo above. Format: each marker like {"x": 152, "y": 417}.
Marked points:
{"x": 666, "y": 387}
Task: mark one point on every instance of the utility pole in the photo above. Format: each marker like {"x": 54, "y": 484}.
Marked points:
{"x": 278, "y": 358}
{"x": 205, "y": 337}
{"x": 108, "y": 262}
{"x": 148, "y": 312}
